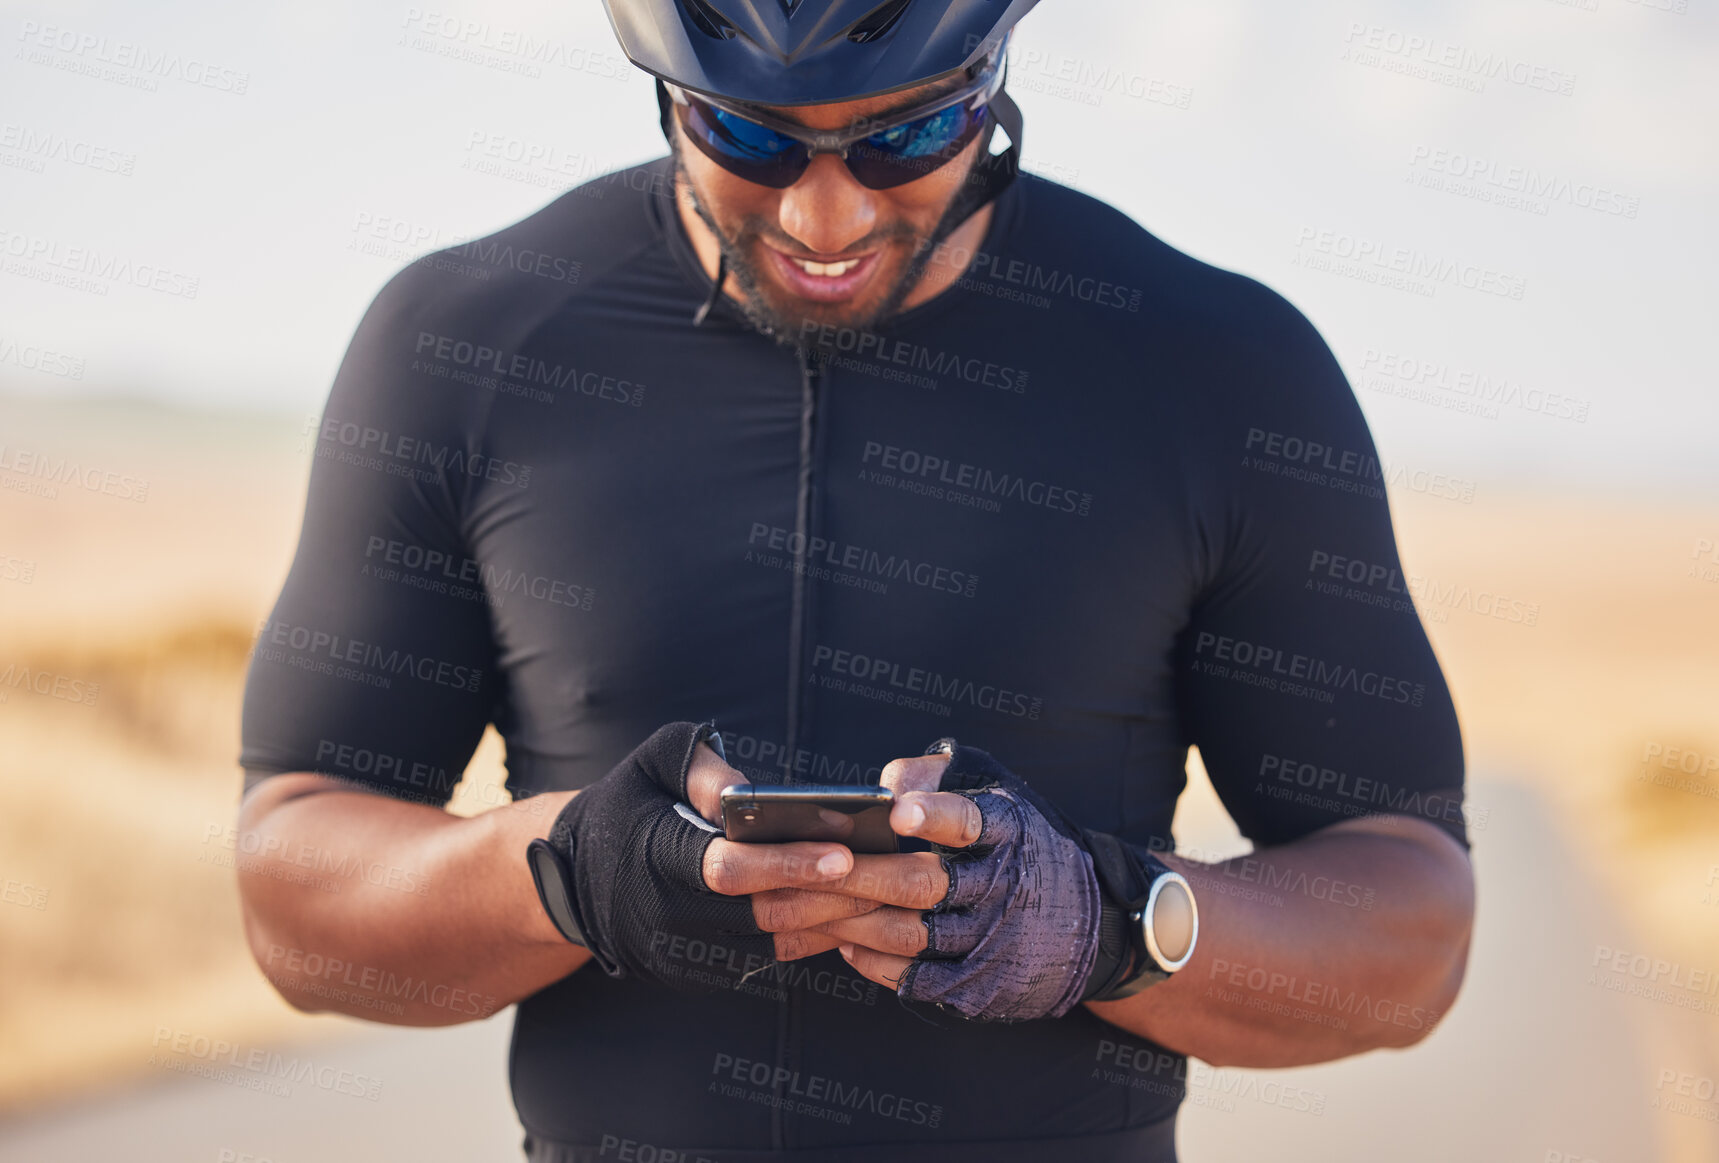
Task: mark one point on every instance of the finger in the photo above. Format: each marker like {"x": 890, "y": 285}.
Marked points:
{"x": 910, "y": 880}
{"x": 883, "y": 968}
{"x": 945, "y": 818}
{"x": 886, "y": 930}
{"x": 741, "y": 869}
{"x": 705, "y": 780}
{"x": 919, "y": 773}
{"x": 783, "y": 910}
{"x": 803, "y": 943}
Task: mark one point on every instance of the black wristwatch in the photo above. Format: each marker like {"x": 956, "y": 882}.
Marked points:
{"x": 1136, "y": 890}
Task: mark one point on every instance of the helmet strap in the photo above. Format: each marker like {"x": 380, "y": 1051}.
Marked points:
{"x": 991, "y": 173}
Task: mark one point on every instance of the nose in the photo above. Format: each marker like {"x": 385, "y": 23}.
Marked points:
{"x": 826, "y": 211}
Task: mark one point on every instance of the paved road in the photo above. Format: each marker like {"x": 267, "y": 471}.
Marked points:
{"x": 1533, "y": 1061}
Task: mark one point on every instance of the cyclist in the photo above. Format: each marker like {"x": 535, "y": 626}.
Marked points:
{"x": 833, "y": 449}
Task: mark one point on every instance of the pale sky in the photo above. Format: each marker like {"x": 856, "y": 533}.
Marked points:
{"x": 1268, "y": 138}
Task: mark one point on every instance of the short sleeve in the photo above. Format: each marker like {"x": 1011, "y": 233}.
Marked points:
{"x": 376, "y": 664}
{"x": 1304, "y": 674}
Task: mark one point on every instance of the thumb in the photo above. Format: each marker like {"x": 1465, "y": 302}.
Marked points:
{"x": 920, "y": 773}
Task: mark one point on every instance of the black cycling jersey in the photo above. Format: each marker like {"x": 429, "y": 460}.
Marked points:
{"x": 1094, "y": 503}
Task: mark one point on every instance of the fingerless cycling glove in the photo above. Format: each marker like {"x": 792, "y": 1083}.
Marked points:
{"x": 1016, "y": 935}
{"x": 622, "y": 873}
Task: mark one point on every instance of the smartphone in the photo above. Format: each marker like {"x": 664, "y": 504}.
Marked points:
{"x": 764, "y": 813}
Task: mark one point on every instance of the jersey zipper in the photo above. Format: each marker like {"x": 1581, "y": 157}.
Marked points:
{"x": 788, "y": 1011}
{"x": 810, "y": 379}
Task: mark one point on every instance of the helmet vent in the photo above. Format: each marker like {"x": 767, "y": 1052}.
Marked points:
{"x": 708, "y": 20}
{"x": 878, "y": 22}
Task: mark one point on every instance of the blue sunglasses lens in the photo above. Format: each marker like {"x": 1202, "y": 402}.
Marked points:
{"x": 928, "y": 137}
{"x": 902, "y": 153}
{"x": 749, "y": 140}
{"x": 889, "y": 157}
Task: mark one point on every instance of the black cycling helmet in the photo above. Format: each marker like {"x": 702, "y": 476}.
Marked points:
{"x": 805, "y": 52}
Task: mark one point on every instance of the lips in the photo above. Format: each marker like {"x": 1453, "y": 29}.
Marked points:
{"x": 824, "y": 282}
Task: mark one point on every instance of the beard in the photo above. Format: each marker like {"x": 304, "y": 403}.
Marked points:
{"x": 788, "y": 320}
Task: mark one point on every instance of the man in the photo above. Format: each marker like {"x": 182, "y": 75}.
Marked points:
{"x": 831, "y": 431}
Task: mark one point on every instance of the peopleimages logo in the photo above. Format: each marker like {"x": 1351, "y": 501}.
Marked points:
{"x": 1329, "y": 788}
{"x": 52, "y": 470}
{"x": 401, "y": 450}
{"x": 41, "y": 359}
{"x": 87, "y": 53}
{"x": 1402, "y": 267}
{"x": 474, "y": 358}
{"x": 904, "y": 685}
{"x": 320, "y": 651}
{"x": 45, "y": 146}
{"x": 1491, "y": 180}
{"x": 1430, "y": 58}
{"x": 818, "y": 1089}
{"x": 261, "y": 1064}
{"x": 1486, "y": 391}
{"x": 49, "y": 260}
{"x": 1217, "y": 654}
{"x": 989, "y": 273}
{"x": 48, "y": 683}
{"x": 871, "y": 564}
{"x": 496, "y": 582}
{"x": 900, "y": 357}
{"x": 1082, "y": 80}
{"x": 930, "y": 469}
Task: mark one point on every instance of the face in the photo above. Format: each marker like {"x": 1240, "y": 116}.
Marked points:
{"x": 826, "y": 251}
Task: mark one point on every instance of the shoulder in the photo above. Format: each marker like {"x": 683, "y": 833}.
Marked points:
{"x": 532, "y": 268}
{"x": 1209, "y": 349}
{"x": 1169, "y": 292}
{"x": 434, "y": 328}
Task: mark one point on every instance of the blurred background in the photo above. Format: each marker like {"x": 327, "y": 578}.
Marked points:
{"x": 1499, "y": 213}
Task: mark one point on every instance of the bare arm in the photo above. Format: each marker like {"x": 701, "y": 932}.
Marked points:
{"x": 1350, "y": 939}
{"x": 403, "y": 913}
{"x": 394, "y": 911}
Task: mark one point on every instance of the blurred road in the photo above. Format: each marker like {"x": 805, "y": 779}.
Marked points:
{"x": 443, "y": 1098}
{"x": 1534, "y": 1064}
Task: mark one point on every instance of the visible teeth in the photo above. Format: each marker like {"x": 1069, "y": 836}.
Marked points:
{"x": 828, "y": 270}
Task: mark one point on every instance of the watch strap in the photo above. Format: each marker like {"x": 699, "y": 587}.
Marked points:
{"x": 554, "y": 881}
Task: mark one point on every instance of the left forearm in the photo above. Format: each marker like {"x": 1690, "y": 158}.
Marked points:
{"x": 1352, "y": 938}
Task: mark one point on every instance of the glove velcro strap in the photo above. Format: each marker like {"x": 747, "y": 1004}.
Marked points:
{"x": 1115, "y": 959}
{"x": 1125, "y": 878}
{"x": 599, "y": 854}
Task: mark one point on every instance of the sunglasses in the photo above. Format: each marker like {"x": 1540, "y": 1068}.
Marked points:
{"x": 754, "y": 144}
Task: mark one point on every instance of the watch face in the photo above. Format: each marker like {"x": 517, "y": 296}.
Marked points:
{"x": 1170, "y": 922}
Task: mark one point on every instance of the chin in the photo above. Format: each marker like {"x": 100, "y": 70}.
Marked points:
{"x": 790, "y": 317}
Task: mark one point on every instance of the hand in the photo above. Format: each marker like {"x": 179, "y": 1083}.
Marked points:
{"x": 652, "y": 893}
{"x": 791, "y": 891}
{"x": 896, "y": 887}
{"x": 1012, "y": 931}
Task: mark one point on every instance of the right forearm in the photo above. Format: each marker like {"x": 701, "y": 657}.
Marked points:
{"x": 393, "y": 911}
